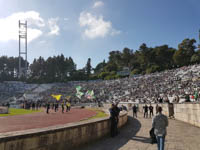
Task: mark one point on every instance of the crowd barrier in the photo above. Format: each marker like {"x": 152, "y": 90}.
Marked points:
{"x": 62, "y": 137}
{"x": 186, "y": 112}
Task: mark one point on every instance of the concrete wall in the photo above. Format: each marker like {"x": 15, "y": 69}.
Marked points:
{"x": 186, "y": 112}
{"x": 63, "y": 137}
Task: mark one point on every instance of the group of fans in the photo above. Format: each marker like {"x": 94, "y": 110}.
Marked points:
{"x": 55, "y": 106}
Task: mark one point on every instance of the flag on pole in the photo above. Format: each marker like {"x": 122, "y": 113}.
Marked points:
{"x": 79, "y": 94}
{"x": 78, "y": 88}
{"x": 89, "y": 94}
{"x": 196, "y": 95}
{"x": 57, "y": 97}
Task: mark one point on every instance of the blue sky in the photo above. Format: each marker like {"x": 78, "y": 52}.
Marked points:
{"x": 92, "y": 28}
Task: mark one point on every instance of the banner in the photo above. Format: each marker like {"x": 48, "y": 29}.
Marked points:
{"x": 57, "y": 97}
{"x": 89, "y": 94}
{"x": 78, "y": 88}
{"x": 196, "y": 95}
{"x": 79, "y": 94}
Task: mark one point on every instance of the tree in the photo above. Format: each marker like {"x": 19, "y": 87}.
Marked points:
{"x": 126, "y": 57}
{"x": 184, "y": 53}
{"x": 100, "y": 67}
{"x": 88, "y": 67}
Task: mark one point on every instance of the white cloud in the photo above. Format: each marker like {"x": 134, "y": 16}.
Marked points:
{"x": 9, "y": 26}
{"x": 95, "y": 26}
{"x": 66, "y": 19}
{"x": 98, "y": 4}
{"x": 115, "y": 32}
{"x": 54, "y": 28}
{"x": 42, "y": 42}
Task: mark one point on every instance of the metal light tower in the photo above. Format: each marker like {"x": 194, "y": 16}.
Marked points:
{"x": 22, "y": 48}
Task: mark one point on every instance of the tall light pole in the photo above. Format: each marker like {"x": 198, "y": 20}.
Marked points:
{"x": 22, "y": 50}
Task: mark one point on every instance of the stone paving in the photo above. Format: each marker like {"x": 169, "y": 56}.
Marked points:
{"x": 135, "y": 136}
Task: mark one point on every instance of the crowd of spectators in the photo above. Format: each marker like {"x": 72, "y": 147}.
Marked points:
{"x": 177, "y": 85}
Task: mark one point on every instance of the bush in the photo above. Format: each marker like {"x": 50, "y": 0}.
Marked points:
{"x": 135, "y": 71}
{"x": 152, "y": 69}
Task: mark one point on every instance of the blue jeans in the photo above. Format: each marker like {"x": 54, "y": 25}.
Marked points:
{"x": 160, "y": 142}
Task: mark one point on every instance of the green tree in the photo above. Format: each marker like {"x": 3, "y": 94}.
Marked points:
{"x": 88, "y": 67}
{"x": 184, "y": 53}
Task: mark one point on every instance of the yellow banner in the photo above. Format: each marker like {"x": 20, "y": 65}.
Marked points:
{"x": 57, "y": 97}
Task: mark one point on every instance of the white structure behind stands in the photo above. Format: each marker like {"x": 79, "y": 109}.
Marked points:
{"x": 4, "y": 110}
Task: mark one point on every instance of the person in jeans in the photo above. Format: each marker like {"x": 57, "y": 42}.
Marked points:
{"x": 160, "y": 123}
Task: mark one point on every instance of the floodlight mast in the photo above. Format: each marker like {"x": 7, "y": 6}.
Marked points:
{"x": 22, "y": 36}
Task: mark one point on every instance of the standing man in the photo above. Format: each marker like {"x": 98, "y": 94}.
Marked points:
{"x": 157, "y": 108}
{"x": 63, "y": 107}
{"x": 117, "y": 111}
{"x": 56, "y": 106}
{"x": 113, "y": 125}
{"x": 145, "y": 111}
{"x": 160, "y": 123}
{"x": 151, "y": 111}
{"x": 48, "y": 107}
{"x": 68, "y": 105}
{"x": 134, "y": 111}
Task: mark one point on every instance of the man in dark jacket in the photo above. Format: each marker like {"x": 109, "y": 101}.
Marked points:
{"x": 150, "y": 111}
{"x": 117, "y": 112}
{"x": 134, "y": 110}
{"x": 113, "y": 126}
{"x": 145, "y": 111}
{"x": 47, "y": 107}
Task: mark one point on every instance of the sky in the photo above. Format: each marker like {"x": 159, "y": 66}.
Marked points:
{"x": 84, "y": 29}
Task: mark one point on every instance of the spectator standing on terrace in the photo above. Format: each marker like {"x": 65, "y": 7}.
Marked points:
{"x": 187, "y": 98}
{"x": 150, "y": 111}
{"x": 113, "y": 126}
{"x": 145, "y": 111}
{"x": 157, "y": 108}
{"x": 117, "y": 111}
{"x": 134, "y": 111}
{"x": 160, "y": 123}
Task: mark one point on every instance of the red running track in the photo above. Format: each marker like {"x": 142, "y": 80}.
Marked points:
{"x": 41, "y": 119}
